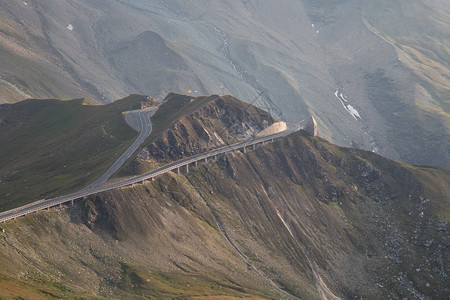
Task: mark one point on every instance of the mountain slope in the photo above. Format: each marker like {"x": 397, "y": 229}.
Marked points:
{"x": 297, "y": 217}
{"x": 388, "y": 60}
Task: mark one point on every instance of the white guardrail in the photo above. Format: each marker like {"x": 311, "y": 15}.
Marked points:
{"x": 47, "y": 203}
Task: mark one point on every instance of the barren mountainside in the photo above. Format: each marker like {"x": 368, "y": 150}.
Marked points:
{"x": 296, "y": 218}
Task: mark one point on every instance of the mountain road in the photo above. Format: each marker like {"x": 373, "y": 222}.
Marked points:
{"x": 47, "y": 203}
{"x": 140, "y": 121}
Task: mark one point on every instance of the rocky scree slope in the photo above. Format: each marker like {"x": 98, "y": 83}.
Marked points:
{"x": 296, "y": 218}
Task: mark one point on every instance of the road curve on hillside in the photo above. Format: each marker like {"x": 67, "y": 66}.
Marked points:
{"x": 144, "y": 126}
{"x": 47, "y": 203}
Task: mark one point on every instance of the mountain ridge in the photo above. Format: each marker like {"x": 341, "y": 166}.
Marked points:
{"x": 290, "y": 66}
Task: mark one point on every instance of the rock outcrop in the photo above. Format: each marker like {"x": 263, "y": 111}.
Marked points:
{"x": 222, "y": 121}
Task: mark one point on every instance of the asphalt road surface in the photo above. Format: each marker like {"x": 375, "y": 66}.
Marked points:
{"x": 143, "y": 125}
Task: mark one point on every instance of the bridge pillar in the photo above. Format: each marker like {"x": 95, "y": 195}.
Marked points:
{"x": 245, "y": 150}
{"x": 71, "y": 202}
{"x": 178, "y": 171}
{"x": 187, "y": 168}
{"x": 196, "y": 163}
{"x": 206, "y": 160}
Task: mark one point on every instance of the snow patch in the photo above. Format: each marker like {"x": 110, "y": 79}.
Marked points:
{"x": 70, "y": 27}
{"x": 349, "y": 108}
{"x": 25, "y": 3}
{"x": 312, "y": 25}
{"x": 353, "y": 111}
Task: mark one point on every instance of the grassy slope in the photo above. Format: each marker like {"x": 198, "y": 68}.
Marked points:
{"x": 419, "y": 133}
{"x": 300, "y": 204}
{"x": 29, "y": 77}
{"x": 51, "y": 147}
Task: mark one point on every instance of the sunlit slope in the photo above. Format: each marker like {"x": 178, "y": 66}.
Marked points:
{"x": 420, "y": 32}
{"x": 418, "y": 114}
{"x": 50, "y": 147}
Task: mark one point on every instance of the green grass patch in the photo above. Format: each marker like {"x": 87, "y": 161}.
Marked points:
{"x": 52, "y": 147}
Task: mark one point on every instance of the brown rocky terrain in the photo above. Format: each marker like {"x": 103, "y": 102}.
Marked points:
{"x": 219, "y": 121}
{"x": 298, "y": 217}
{"x": 231, "y": 120}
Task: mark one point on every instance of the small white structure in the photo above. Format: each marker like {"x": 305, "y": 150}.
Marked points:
{"x": 311, "y": 126}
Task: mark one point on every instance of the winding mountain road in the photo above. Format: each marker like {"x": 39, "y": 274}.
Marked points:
{"x": 175, "y": 166}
